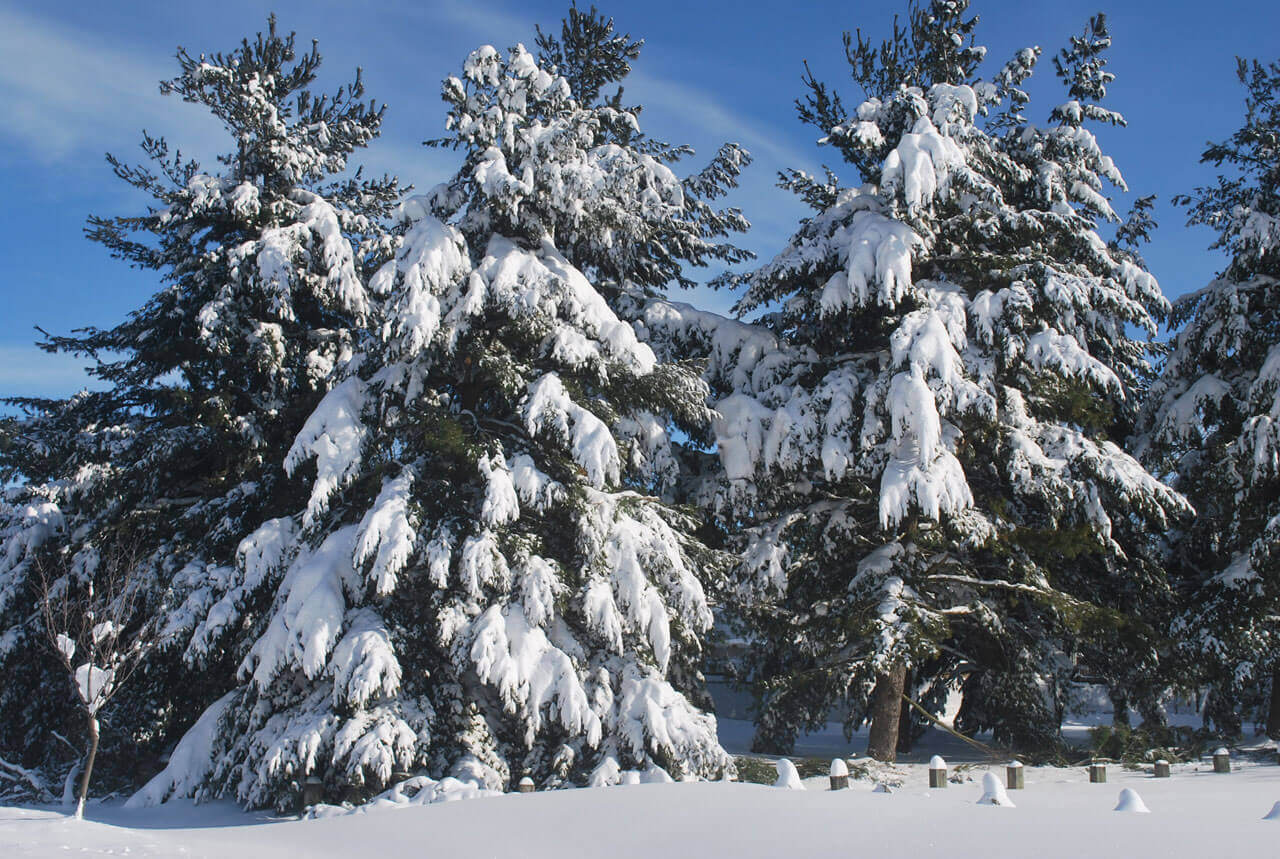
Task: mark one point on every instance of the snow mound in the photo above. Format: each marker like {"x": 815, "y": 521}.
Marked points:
{"x": 1274, "y": 813}
{"x": 1131, "y": 802}
{"x": 656, "y": 775}
{"x": 839, "y": 768}
{"x": 418, "y": 790}
{"x": 788, "y": 776}
{"x": 937, "y": 763}
{"x": 993, "y": 792}
{"x": 189, "y": 763}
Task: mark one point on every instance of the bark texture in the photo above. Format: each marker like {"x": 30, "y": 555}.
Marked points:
{"x": 88, "y": 767}
{"x": 886, "y": 714}
{"x": 1273, "y": 711}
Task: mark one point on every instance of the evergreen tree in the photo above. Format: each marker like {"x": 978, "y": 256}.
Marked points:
{"x": 1213, "y": 420}
{"x": 486, "y": 582}
{"x": 262, "y": 263}
{"x": 575, "y": 154}
{"x": 926, "y": 471}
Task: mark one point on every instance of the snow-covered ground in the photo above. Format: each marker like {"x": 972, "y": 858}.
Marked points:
{"x": 1194, "y": 813}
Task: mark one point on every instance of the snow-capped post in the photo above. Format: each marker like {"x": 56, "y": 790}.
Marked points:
{"x": 1097, "y": 773}
{"x": 937, "y": 772}
{"x": 1221, "y": 760}
{"x": 312, "y": 790}
{"x": 1161, "y": 769}
{"x": 839, "y": 774}
{"x": 1015, "y": 775}
{"x": 525, "y": 785}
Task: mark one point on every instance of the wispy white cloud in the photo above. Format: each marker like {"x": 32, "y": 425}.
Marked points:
{"x": 27, "y": 371}
{"x": 773, "y": 213}
{"x": 685, "y": 103}
{"x": 483, "y": 19}
{"x": 64, "y": 93}
{"x": 410, "y": 161}
{"x": 702, "y": 110}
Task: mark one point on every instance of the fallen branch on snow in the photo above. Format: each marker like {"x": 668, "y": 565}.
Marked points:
{"x": 18, "y": 774}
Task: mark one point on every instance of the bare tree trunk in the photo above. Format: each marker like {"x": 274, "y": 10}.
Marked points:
{"x": 1220, "y": 708}
{"x": 1273, "y": 712}
{"x": 88, "y": 766}
{"x": 886, "y": 712}
{"x": 905, "y": 723}
{"x": 1119, "y": 709}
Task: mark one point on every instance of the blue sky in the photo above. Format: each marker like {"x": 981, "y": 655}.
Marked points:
{"x": 78, "y": 80}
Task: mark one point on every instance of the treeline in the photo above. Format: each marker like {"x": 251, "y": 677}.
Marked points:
{"x": 442, "y": 483}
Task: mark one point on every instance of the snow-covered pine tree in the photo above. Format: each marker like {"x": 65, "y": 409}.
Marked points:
{"x": 485, "y": 583}
{"x": 562, "y": 173}
{"x": 262, "y": 263}
{"x": 929, "y": 476}
{"x": 1213, "y": 421}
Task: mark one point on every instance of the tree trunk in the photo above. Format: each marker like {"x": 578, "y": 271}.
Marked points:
{"x": 1220, "y": 709}
{"x": 906, "y": 726}
{"x": 1273, "y": 712}
{"x": 1153, "y": 717}
{"x": 1119, "y": 709}
{"x": 88, "y": 766}
{"x": 886, "y": 712}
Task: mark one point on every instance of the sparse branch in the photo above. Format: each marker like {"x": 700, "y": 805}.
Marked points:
{"x": 89, "y": 610}
{"x": 18, "y": 774}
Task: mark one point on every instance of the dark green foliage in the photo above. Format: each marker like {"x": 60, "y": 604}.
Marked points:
{"x": 1147, "y": 744}
{"x": 1212, "y": 420}
{"x": 1082, "y": 67}
{"x": 601, "y": 189}
{"x": 1252, "y": 158}
{"x": 589, "y": 54}
{"x": 1042, "y": 571}
{"x": 261, "y": 262}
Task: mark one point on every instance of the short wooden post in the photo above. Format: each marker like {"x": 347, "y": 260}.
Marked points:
{"x": 1097, "y": 773}
{"x": 937, "y": 772}
{"x": 1221, "y": 761}
{"x": 312, "y": 790}
{"x": 1015, "y": 775}
{"x": 839, "y": 774}
{"x": 1162, "y": 769}
{"x": 525, "y": 785}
